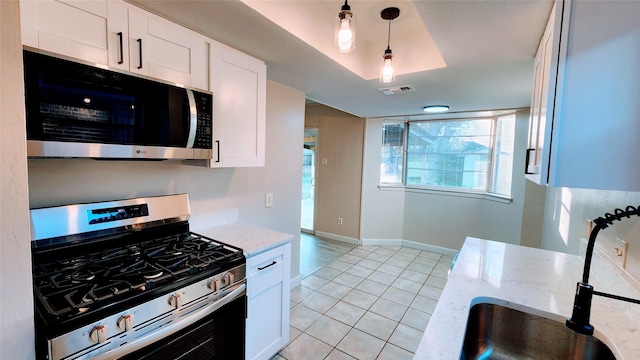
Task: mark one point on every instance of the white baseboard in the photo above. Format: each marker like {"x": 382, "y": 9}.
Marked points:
{"x": 295, "y": 282}
{"x": 338, "y": 237}
{"x": 382, "y": 242}
{"x": 410, "y": 244}
{"x": 431, "y": 248}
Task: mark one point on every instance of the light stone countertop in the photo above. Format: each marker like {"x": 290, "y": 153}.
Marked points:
{"x": 251, "y": 239}
{"x": 537, "y": 281}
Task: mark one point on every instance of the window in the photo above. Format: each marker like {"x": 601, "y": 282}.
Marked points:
{"x": 472, "y": 155}
{"x": 392, "y": 153}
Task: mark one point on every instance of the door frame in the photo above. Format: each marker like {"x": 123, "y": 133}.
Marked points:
{"x": 314, "y": 178}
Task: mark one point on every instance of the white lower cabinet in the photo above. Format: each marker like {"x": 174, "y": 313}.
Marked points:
{"x": 268, "y": 276}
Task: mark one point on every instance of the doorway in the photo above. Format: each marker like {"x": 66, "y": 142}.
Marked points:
{"x": 309, "y": 155}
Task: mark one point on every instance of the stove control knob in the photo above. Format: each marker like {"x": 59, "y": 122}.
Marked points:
{"x": 175, "y": 301}
{"x": 99, "y": 333}
{"x": 228, "y": 279}
{"x": 125, "y": 322}
{"x": 214, "y": 284}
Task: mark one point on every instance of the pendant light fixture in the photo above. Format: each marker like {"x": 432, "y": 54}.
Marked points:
{"x": 346, "y": 29}
{"x": 387, "y": 74}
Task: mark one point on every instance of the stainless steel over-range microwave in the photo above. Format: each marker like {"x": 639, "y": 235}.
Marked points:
{"x": 77, "y": 110}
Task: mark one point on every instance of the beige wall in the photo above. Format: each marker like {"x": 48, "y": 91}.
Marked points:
{"x": 16, "y": 299}
{"x": 340, "y": 142}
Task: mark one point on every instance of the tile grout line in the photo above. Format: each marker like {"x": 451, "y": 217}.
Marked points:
{"x": 356, "y": 255}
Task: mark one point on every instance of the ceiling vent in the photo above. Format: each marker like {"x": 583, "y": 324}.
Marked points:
{"x": 397, "y": 90}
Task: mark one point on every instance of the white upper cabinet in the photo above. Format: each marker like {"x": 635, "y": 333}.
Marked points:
{"x": 544, "y": 75}
{"x": 118, "y": 35}
{"x": 146, "y": 44}
{"x": 586, "y": 129}
{"x": 239, "y": 92}
{"x": 76, "y": 29}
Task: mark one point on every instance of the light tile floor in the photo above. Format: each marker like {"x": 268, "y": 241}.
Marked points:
{"x": 372, "y": 302}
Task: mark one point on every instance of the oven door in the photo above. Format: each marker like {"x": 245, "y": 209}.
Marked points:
{"x": 218, "y": 335}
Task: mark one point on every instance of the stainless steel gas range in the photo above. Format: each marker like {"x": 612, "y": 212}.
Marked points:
{"x": 128, "y": 280}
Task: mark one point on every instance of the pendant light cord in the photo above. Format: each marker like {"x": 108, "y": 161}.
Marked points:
{"x": 389, "y": 35}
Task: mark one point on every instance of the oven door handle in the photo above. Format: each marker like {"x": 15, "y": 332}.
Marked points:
{"x": 169, "y": 330}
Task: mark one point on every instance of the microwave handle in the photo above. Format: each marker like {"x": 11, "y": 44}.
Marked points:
{"x": 193, "y": 119}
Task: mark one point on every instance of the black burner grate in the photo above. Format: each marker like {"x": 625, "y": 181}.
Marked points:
{"x": 78, "y": 284}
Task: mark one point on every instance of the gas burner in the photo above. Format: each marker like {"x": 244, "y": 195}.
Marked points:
{"x": 87, "y": 273}
{"x": 153, "y": 276}
{"x": 87, "y": 282}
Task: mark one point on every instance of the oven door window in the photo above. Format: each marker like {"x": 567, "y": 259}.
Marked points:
{"x": 218, "y": 336}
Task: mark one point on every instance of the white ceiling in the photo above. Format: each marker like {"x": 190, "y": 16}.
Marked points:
{"x": 485, "y": 58}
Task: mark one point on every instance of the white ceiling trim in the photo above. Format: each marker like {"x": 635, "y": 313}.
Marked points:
{"x": 314, "y": 23}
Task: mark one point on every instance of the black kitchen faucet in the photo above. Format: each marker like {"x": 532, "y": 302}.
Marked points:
{"x": 579, "y": 320}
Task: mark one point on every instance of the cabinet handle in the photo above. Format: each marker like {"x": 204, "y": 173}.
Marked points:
{"x": 140, "y": 52}
{"x": 121, "y": 61}
{"x": 266, "y": 266}
{"x": 218, "y": 146}
{"x": 526, "y": 162}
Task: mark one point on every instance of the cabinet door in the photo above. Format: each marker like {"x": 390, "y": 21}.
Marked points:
{"x": 76, "y": 29}
{"x": 597, "y": 105}
{"x": 268, "y": 302}
{"x": 200, "y": 58}
{"x": 159, "y": 48}
{"x": 541, "y": 114}
{"x": 143, "y": 43}
{"x": 264, "y": 332}
{"x": 118, "y": 35}
{"x": 240, "y": 112}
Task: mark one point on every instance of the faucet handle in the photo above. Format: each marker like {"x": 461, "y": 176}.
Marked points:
{"x": 579, "y": 321}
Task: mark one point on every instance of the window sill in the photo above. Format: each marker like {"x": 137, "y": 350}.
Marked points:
{"x": 442, "y": 192}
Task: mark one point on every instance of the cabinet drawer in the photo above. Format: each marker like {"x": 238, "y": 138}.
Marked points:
{"x": 264, "y": 270}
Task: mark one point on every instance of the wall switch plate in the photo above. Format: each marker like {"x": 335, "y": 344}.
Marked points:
{"x": 268, "y": 200}
{"x": 620, "y": 249}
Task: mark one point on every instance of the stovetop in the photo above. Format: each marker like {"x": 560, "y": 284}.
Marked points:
{"x": 69, "y": 284}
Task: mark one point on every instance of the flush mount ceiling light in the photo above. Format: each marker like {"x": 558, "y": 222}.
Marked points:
{"x": 435, "y": 108}
{"x": 387, "y": 74}
{"x": 345, "y": 29}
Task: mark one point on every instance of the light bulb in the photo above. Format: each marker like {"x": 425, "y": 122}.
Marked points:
{"x": 387, "y": 71}
{"x": 345, "y": 37}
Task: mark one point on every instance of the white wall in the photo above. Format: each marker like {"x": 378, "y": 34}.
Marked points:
{"x": 436, "y": 219}
{"x": 16, "y": 304}
{"x": 565, "y": 221}
{"x": 382, "y": 211}
{"x": 66, "y": 181}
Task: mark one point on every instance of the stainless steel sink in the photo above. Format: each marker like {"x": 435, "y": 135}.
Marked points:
{"x": 498, "y": 332}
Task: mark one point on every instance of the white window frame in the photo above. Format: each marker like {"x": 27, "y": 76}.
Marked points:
{"x": 451, "y": 191}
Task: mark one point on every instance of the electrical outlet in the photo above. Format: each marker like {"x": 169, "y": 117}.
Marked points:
{"x": 268, "y": 200}
{"x": 339, "y": 221}
{"x": 620, "y": 249}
